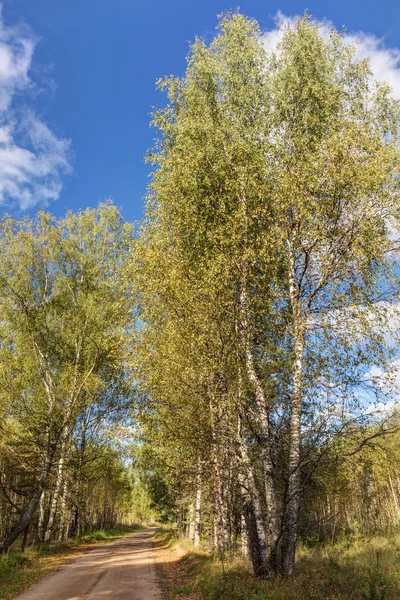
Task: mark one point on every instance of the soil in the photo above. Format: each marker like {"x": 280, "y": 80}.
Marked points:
{"x": 121, "y": 570}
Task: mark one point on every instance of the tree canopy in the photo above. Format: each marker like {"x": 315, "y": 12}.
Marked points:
{"x": 264, "y": 265}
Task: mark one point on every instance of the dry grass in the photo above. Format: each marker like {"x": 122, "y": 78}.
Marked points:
{"x": 358, "y": 569}
{"x": 176, "y": 565}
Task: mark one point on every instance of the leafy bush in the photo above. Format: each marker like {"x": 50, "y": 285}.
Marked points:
{"x": 11, "y": 561}
{"x": 97, "y": 536}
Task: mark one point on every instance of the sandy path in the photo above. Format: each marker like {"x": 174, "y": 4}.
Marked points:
{"x": 121, "y": 570}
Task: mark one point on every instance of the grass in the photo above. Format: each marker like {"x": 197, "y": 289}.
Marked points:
{"x": 18, "y": 571}
{"x": 363, "y": 568}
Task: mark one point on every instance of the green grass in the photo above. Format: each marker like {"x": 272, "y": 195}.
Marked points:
{"x": 172, "y": 538}
{"x": 18, "y": 571}
{"x": 363, "y": 568}
{"x": 183, "y": 589}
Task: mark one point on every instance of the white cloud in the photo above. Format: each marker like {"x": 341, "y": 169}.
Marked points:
{"x": 384, "y": 61}
{"x": 383, "y": 409}
{"x": 32, "y": 158}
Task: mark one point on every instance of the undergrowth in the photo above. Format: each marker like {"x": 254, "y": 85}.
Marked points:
{"x": 365, "y": 568}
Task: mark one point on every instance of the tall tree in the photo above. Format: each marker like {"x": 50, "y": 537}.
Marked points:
{"x": 63, "y": 310}
{"x": 273, "y": 195}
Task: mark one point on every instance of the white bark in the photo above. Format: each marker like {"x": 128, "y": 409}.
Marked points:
{"x": 63, "y": 535}
{"x": 41, "y": 518}
{"x": 292, "y": 508}
{"x": 222, "y": 537}
{"x": 197, "y": 516}
{"x": 54, "y": 501}
{"x": 251, "y": 506}
{"x": 191, "y": 522}
{"x": 262, "y": 421}
{"x": 244, "y": 538}
{"x": 57, "y": 489}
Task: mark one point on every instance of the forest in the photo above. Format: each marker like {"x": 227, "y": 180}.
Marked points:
{"x": 228, "y": 366}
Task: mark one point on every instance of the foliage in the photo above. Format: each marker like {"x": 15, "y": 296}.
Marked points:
{"x": 65, "y": 311}
{"x": 265, "y": 277}
{"x": 222, "y": 369}
{"x": 367, "y": 568}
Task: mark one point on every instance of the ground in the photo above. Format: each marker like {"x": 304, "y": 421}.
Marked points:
{"x": 146, "y": 565}
{"x": 122, "y": 570}
{"x": 353, "y": 568}
{"x": 174, "y": 572}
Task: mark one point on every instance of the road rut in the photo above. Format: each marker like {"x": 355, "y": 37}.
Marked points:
{"x": 121, "y": 570}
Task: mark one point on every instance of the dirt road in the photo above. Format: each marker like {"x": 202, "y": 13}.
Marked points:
{"x": 122, "y": 570}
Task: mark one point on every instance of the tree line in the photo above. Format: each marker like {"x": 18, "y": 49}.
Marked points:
{"x": 63, "y": 385}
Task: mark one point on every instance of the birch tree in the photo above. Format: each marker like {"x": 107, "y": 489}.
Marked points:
{"x": 269, "y": 221}
{"x": 63, "y": 311}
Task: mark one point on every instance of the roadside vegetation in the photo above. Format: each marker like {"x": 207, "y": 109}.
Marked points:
{"x": 353, "y": 568}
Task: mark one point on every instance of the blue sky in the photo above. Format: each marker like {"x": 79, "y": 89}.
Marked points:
{"x": 77, "y": 83}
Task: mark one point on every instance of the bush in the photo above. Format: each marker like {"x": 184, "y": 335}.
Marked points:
{"x": 97, "y": 536}
{"x": 10, "y": 561}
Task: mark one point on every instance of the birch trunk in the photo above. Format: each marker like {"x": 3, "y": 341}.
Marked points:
{"x": 192, "y": 525}
{"x": 251, "y": 509}
{"x": 56, "y": 495}
{"x": 395, "y": 497}
{"x": 197, "y": 516}
{"x": 244, "y": 538}
{"x": 221, "y": 536}
{"x": 272, "y": 520}
{"x": 292, "y": 503}
{"x": 41, "y": 518}
{"x": 62, "y": 533}
{"x": 76, "y": 524}
{"x": 221, "y": 533}
{"x": 26, "y": 515}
